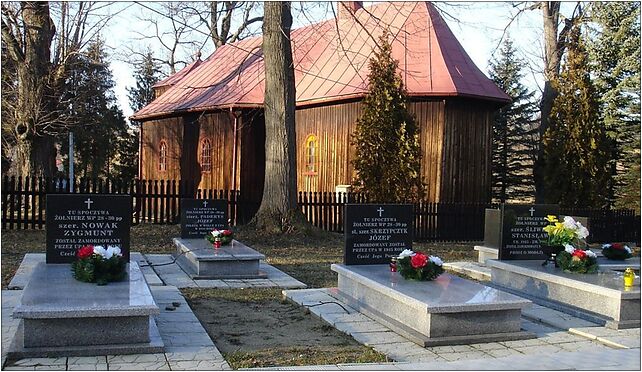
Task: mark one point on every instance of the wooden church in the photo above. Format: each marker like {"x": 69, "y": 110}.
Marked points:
{"x": 206, "y": 123}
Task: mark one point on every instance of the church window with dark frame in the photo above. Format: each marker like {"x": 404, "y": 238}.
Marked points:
{"x": 162, "y": 156}
{"x": 311, "y": 155}
{"x": 206, "y": 155}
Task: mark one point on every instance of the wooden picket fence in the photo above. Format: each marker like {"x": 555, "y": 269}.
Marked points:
{"x": 159, "y": 202}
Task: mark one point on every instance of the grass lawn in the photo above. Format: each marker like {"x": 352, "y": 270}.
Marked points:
{"x": 256, "y": 327}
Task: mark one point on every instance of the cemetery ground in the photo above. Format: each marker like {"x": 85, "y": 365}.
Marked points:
{"x": 255, "y": 327}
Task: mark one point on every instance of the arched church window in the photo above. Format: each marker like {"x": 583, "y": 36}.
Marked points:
{"x": 206, "y": 155}
{"x": 311, "y": 154}
{"x": 162, "y": 156}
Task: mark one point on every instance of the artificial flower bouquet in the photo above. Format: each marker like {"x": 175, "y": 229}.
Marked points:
{"x": 419, "y": 266}
{"x": 100, "y": 265}
{"x": 575, "y": 260}
{"x": 223, "y": 236}
{"x": 617, "y": 251}
{"x": 563, "y": 233}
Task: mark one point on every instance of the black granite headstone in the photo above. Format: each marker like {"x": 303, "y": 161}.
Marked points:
{"x": 86, "y": 219}
{"x": 374, "y": 233}
{"x": 521, "y": 230}
{"x": 200, "y": 216}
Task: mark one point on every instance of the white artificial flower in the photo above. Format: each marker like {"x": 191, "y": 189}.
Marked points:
{"x": 436, "y": 260}
{"x": 590, "y": 253}
{"x": 569, "y": 248}
{"x": 112, "y": 250}
{"x": 626, "y": 248}
{"x": 582, "y": 232}
{"x": 570, "y": 223}
{"x": 100, "y": 250}
{"x": 406, "y": 253}
{"x": 605, "y": 246}
{"x": 216, "y": 233}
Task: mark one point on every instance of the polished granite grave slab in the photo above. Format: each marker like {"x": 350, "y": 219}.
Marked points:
{"x": 446, "y": 311}
{"x": 62, "y": 316}
{"x": 602, "y": 293}
{"x": 234, "y": 261}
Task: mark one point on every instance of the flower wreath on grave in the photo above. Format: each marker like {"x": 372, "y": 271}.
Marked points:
{"x": 96, "y": 264}
{"x": 224, "y": 236}
{"x": 562, "y": 233}
{"x": 579, "y": 261}
{"x": 617, "y": 251}
{"x": 418, "y": 266}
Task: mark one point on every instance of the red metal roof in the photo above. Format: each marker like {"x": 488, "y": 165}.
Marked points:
{"x": 172, "y": 79}
{"x": 331, "y": 63}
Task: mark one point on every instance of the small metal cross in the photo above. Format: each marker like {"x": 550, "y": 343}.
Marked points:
{"x": 380, "y": 210}
{"x": 532, "y": 210}
{"x": 88, "y": 202}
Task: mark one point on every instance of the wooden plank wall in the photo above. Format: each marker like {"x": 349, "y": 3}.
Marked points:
{"x": 252, "y": 142}
{"x": 466, "y": 152}
{"x": 155, "y": 131}
{"x": 219, "y": 129}
{"x": 333, "y": 126}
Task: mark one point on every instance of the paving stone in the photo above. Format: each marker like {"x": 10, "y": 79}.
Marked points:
{"x": 31, "y": 362}
{"x": 465, "y": 355}
{"x": 524, "y": 343}
{"x": 36, "y": 368}
{"x": 330, "y": 307}
{"x": 582, "y": 345}
{"x": 206, "y": 283}
{"x": 87, "y": 367}
{"x": 369, "y": 367}
{"x": 554, "y": 318}
{"x": 357, "y": 327}
{"x": 379, "y": 338}
{"x": 199, "y": 365}
{"x": 308, "y": 296}
{"x": 561, "y": 337}
{"x": 180, "y": 327}
{"x": 451, "y": 349}
{"x": 157, "y": 366}
{"x": 236, "y": 284}
{"x": 540, "y": 349}
{"x": 539, "y": 329}
{"x": 168, "y": 316}
{"x": 402, "y": 351}
{"x": 136, "y": 358}
{"x": 334, "y": 318}
{"x": 188, "y": 353}
{"x": 149, "y": 273}
{"x": 488, "y": 346}
{"x": 500, "y": 353}
{"x": 185, "y": 339}
{"x": 87, "y": 360}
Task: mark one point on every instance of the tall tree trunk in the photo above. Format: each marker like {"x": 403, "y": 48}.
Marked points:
{"x": 278, "y": 210}
{"x": 552, "y": 59}
{"x": 35, "y": 150}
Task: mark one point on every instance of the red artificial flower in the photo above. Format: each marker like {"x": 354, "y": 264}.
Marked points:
{"x": 227, "y": 232}
{"x": 85, "y": 251}
{"x": 617, "y": 246}
{"x": 579, "y": 254}
{"x": 419, "y": 260}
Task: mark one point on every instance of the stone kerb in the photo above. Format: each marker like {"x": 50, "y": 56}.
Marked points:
{"x": 602, "y": 293}
{"x": 449, "y": 310}
{"x": 234, "y": 261}
{"x": 62, "y": 316}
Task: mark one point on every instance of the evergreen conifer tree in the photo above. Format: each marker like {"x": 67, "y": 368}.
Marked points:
{"x": 514, "y": 131}
{"x": 615, "y": 57}
{"x": 386, "y": 138}
{"x": 575, "y": 145}
{"x": 90, "y": 102}
{"x": 146, "y": 73}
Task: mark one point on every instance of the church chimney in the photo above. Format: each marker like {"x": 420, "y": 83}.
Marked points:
{"x": 348, "y": 8}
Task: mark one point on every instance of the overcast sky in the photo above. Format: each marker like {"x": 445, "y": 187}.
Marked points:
{"x": 477, "y": 25}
